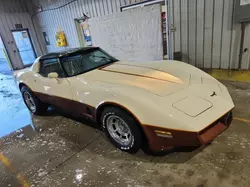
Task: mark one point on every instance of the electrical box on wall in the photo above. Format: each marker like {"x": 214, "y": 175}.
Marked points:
{"x": 242, "y": 9}
{"x": 61, "y": 39}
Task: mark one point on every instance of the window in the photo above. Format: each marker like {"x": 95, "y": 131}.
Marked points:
{"x": 86, "y": 61}
{"x": 51, "y": 65}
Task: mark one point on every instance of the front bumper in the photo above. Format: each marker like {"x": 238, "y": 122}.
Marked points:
{"x": 175, "y": 138}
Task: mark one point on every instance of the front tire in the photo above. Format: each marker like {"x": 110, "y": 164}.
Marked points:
{"x": 34, "y": 105}
{"x": 122, "y": 129}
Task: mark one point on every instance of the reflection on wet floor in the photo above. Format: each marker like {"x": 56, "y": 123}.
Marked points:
{"x": 47, "y": 142}
{"x": 55, "y": 122}
{"x": 13, "y": 112}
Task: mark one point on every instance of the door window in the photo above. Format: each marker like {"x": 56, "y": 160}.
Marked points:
{"x": 49, "y": 66}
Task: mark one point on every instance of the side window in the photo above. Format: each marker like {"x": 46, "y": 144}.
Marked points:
{"x": 51, "y": 65}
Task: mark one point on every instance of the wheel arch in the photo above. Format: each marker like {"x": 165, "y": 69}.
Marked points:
{"x": 21, "y": 84}
{"x": 104, "y": 105}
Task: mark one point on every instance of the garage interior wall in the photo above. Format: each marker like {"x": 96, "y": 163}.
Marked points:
{"x": 203, "y": 30}
{"x": 134, "y": 34}
{"x": 63, "y": 18}
{"x": 15, "y": 12}
{"x": 206, "y": 34}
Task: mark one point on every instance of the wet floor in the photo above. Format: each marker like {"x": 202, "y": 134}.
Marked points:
{"x": 4, "y": 67}
{"x": 56, "y": 150}
{"x": 13, "y": 112}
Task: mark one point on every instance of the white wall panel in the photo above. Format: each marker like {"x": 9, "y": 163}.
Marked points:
{"x": 137, "y": 43}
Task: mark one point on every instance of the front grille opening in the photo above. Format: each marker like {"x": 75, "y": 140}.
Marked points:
{"x": 226, "y": 120}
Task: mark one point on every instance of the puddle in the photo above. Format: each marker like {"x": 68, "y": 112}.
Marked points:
{"x": 13, "y": 112}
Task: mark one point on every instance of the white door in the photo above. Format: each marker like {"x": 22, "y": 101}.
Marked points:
{"x": 56, "y": 91}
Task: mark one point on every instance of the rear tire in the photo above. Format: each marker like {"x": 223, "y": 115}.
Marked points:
{"x": 121, "y": 129}
{"x": 34, "y": 105}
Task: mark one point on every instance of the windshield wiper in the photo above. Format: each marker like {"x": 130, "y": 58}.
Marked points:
{"x": 103, "y": 57}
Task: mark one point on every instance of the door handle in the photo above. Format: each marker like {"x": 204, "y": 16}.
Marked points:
{"x": 59, "y": 81}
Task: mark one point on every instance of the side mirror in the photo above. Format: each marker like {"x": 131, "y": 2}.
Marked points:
{"x": 53, "y": 75}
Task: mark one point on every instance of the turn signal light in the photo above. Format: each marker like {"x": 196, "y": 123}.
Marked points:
{"x": 163, "y": 134}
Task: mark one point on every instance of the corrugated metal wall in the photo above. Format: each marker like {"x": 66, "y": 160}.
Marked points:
{"x": 206, "y": 33}
{"x": 15, "y": 12}
{"x": 63, "y": 18}
{"x": 246, "y": 49}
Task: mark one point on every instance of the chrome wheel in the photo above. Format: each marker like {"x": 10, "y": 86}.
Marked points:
{"x": 119, "y": 130}
{"x": 29, "y": 101}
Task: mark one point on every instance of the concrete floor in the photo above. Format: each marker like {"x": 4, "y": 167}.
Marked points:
{"x": 55, "y": 150}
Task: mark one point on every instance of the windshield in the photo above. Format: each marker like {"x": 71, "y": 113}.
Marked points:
{"x": 85, "y": 61}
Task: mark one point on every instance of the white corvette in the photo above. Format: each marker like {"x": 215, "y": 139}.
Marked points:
{"x": 161, "y": 104}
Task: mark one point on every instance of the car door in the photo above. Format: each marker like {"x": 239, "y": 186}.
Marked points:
{"x": 55, "y": 91}
{"x": 73, "y": 65}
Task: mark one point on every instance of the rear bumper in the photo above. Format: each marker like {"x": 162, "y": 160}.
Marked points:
{"x": 162, "y": 138}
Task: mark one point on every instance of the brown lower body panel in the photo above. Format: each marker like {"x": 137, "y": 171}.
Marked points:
{"x": 185, "y": 138}
{"x": 71, "y": 106}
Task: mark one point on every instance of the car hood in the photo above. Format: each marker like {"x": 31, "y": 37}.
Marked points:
{"x": 159, "y": 77}
{"x": 170, "y": 85}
